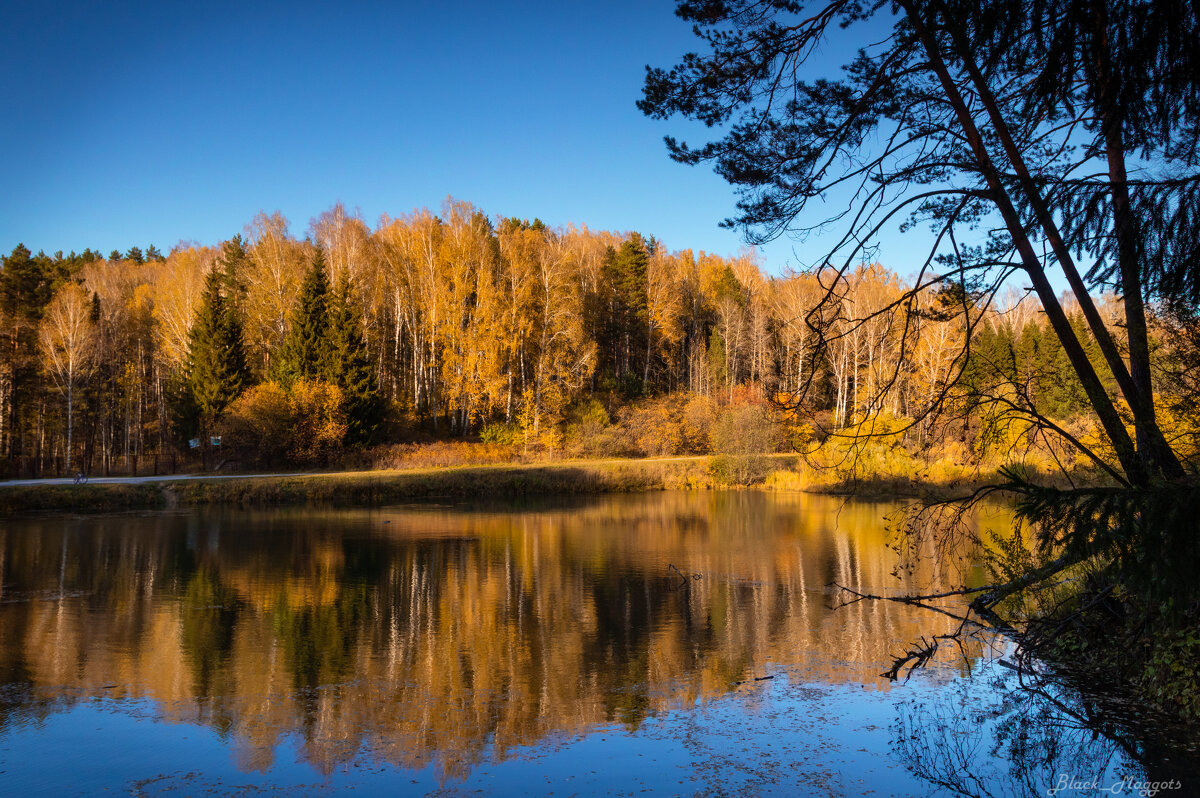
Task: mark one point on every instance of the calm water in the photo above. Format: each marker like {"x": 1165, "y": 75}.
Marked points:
{"x": 530, "y": 649}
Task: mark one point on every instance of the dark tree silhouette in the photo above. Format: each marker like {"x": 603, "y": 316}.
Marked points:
{"x": 1013, "y": 116}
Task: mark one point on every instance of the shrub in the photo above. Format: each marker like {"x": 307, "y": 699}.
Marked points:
{"x": 319, "y": 423}
{"x": 498, "y": 433}
{"x": 699, "y": 417}
{"x": 257, "y": 425}
{"x": 269, "y": 424}
{"x": 745, "y": 430}
{"x": 873, "y": 448}
{"x": 656, "y": 427}
{"x": 440, "y": 454}
{"x": 737, "y": 469}
{"x": 741, "y": 435}
{"x": 585, "y": 424}
{"x": 612, "y": 441}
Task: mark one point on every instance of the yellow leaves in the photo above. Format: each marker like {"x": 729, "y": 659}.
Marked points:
{"x": 319, "y": 418}
{"x": 305, "y": 425}
{"x": 176, "y": 287}
{"x": 656, "y": 425}
{"x": 277, "y": 266}
{"x": 699, "y": 416}
{"x": 664, "y": 298}
{"x": 346, "y": 241}
{"x": 540, "y": 417}
{"x": 1182, "y": 425}
{"x": 67, "y": 335}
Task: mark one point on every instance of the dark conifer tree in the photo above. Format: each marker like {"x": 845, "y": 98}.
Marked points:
{"x": 24, "y": 293}
{"x": 626, "y": 329}
{"x": 350, "y": 367}
{"x": 216, "y": 365}
{"x": 234, "y": 262}
{"x": 306, "y": 350}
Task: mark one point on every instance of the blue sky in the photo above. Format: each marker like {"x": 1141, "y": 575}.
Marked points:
{"x": 158, "y": 122}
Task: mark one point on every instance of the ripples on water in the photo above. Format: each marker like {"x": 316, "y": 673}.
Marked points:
{"x": 516, "y": 649}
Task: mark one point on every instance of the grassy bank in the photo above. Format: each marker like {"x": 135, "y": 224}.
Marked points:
{"x": 368, "y": 487}
{"x": 86, "y": 498}
{"x": 374, "y": 487}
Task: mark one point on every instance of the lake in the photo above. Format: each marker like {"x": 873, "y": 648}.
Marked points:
{"x": 679, "y": 642}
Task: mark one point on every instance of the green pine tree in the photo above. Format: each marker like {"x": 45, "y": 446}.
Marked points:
{"x": 235, "y": 263}
{"x": 306, "y": 349}
{"x": 350, "y": 367}
{"x": 25, "y": 289}
{"x": 625, "y": 329}
{"x": 216, "y": 367}
{"x": 630, "y": 267}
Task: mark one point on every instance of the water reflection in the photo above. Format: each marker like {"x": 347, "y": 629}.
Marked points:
{"x": 1018, "y": 734}
{"x": 444, "y": 636}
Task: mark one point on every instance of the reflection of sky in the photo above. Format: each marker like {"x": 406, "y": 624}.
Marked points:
{"x": 460, "y": 645}
{"x": 782, "y": 737}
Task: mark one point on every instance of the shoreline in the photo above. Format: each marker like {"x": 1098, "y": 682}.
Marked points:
{"x": 509, "y": 480}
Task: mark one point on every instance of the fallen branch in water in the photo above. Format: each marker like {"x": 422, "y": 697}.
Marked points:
{"x": 755, "y": 679}
{"x": 682, "y": 576}
{"x": 997, "y": 593}
{"x": 989, "y": 595}
{"x": 965, "y": 591}
{"x": 915, "y": 601}
{"x": 919, "y": 657}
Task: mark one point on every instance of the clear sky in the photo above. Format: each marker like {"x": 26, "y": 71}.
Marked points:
{"x": 138, "y": 123}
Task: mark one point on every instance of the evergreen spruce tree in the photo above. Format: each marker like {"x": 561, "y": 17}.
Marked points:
{"x": 631, "y": 266}
{"x": 235, "y": 262}
{"x": 350, "y": 367}
{"x": 216, "y": 367}
{"x": 625, "y": 269}
{"x": 25, "y": 290}
{"x": 306, "y": 349}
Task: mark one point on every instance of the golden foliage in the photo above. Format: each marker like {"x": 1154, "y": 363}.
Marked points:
{"x": 304, "y": 424}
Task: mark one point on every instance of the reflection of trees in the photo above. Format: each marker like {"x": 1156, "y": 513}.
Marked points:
{"x": 439, "y": 636}
{"x": 1010, "y": 737}
{"x": 207, "y": 615}
{"x": 318, "y": 641}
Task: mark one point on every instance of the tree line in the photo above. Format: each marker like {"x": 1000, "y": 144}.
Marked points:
{"x": 458, "y": 324}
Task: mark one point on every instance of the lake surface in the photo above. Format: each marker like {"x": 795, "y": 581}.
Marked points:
{"x": 679, "y": 643}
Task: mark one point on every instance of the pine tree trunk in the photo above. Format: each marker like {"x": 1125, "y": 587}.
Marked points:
{"x": 1101, "y": 403}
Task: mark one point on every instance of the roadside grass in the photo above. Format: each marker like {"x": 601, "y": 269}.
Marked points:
{"x": 89, "y": 498}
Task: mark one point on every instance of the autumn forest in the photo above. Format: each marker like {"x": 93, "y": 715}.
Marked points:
{"x": 271, "y": 349}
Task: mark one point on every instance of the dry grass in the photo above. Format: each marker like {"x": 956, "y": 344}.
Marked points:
{"x": 439, "y": 454}
{"x": 88, "y": 498}
{"x": 369, "y": 487}
{"x": 436, "y": 471}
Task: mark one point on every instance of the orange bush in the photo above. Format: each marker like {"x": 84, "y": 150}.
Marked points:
{"x": 269, "y": 424}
